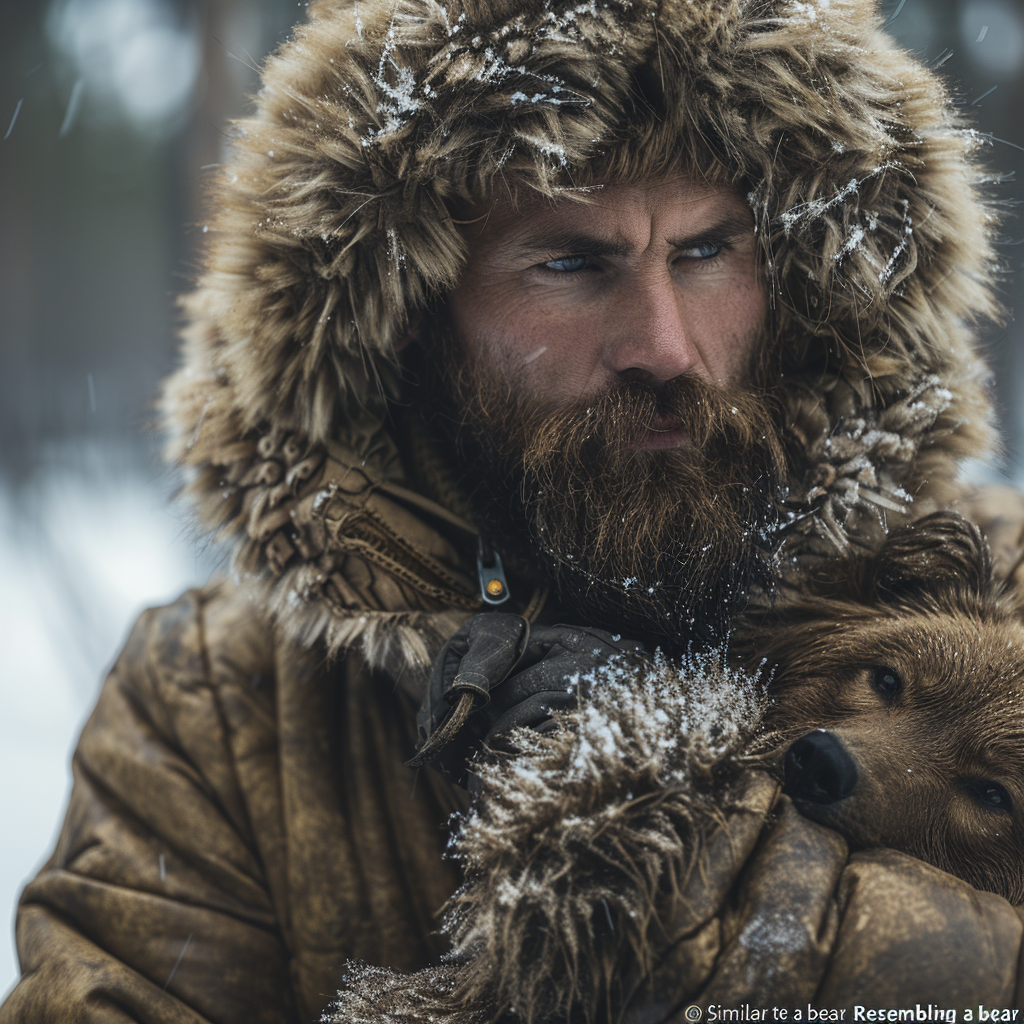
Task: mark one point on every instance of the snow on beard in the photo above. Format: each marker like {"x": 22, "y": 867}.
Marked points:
{"x": 663, "y": 544}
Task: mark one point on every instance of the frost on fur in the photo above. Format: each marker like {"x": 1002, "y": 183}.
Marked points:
{"x": 876, "y": 234}
{"x": 577, "y": 848}
{"x": 857, "y": 468}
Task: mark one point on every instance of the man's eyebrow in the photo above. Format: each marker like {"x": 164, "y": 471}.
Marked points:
{"x": 731, "y": 225}
{"x": 576, "y": 242}
{"x": 580, "y": 243}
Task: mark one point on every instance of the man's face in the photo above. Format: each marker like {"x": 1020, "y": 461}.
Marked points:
{"x": 644, "y": 282}
{"x": 596, "y": 361}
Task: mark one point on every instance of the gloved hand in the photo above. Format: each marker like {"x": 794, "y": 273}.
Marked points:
{"x": 496, "y": 673}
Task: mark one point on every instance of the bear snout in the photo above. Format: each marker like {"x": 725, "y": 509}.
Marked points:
{"x": 818, "y": 769}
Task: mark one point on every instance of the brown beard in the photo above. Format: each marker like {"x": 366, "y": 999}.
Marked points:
{"x": 663, "y": 544}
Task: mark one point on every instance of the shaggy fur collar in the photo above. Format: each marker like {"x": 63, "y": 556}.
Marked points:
{"x": 332, "y": 230}
{"x": 580, "y": 852}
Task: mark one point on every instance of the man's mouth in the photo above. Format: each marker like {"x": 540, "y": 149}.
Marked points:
{"x": 664, "y": 432}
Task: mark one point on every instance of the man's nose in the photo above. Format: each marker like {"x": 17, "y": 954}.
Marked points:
{"x": 651, "y": 335}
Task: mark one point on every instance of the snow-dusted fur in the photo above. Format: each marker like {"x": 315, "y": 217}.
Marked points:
{"x": 332, "y": 230}
{"x": 573, "y": 848}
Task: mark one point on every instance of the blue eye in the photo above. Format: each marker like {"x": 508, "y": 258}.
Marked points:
{"x": 567, "y": 264}
{"x": 704, "y": 251}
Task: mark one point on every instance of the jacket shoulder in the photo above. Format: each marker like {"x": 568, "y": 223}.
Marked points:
{"x": 191, "y": 691}
{"x": 209, "y": 637}
{"x": 165, "y": 872}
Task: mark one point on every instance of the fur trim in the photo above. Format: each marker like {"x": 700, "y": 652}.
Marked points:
{"x": 389, "y": 642}
{"x": 332, "y": 227}
{"x": 578, "y": 850}
{"x": 862, "y": 470}
{"x": 325, "y": 542}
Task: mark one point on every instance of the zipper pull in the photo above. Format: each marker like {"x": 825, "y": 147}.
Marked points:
{"x": 491, "y": 574}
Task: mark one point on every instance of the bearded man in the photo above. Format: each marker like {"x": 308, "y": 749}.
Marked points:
{"x": 599, "y": 361}
{"x": 585, "y": 310}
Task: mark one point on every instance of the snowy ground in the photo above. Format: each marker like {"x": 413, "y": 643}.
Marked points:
{"x": 84, "y": 547}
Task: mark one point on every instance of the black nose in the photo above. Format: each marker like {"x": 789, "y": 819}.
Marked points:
{"x": 818, "y": 769}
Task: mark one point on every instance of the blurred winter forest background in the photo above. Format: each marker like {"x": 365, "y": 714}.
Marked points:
{"x": 112, "y": 112}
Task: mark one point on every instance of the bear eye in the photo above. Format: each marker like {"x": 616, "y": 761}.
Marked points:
{"x": 991, "y": 795}
{"x": 886, "y": 681}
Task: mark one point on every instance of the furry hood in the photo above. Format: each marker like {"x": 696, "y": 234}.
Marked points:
{"x": 331, "y": 230}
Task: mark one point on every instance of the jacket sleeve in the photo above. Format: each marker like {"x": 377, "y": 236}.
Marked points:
{"x": 153, "y": 908}
{"x": 774, "y": 913}
{"x": 778, "y": 915}
{"x": 804, "y": 922}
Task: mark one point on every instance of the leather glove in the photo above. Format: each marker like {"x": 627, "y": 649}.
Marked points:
{"x": 497, "y": 672}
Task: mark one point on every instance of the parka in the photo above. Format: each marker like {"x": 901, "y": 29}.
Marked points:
{"x": 241, "y": 824}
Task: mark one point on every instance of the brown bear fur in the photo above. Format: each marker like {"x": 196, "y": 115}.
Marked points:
{"x": 916, "y": 667}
